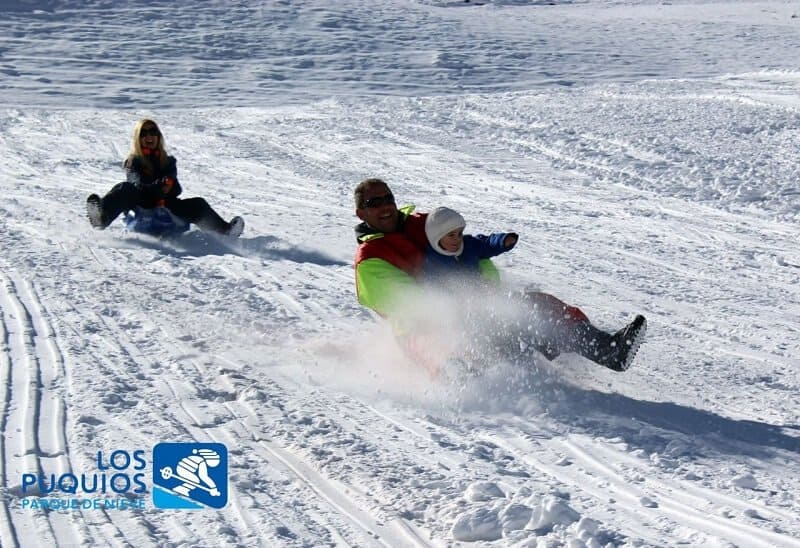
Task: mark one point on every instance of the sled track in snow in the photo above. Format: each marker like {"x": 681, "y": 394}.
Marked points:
{"x": 681, "y": 503}
{"x": 344, "y": 519}
{"x": 38, "y": 380}
{"x": 680, "y": 500}
{"x": 217, "y": 414}
{"x": 192, "y": 426}
{"x": 336, "y": 494}
{"x": 125, "y": 528}
{"x": 34, "y": 373}
{"x": 212, "y": 405}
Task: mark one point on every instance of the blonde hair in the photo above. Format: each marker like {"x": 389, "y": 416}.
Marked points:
{"x": 136, "y": 146}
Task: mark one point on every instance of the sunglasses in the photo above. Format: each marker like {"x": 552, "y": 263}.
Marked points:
{"x": 378, "y": 201}
{"x": 149, "y": 132}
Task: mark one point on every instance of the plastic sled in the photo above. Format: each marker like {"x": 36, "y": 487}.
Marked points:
{"x": 158, "y": 221}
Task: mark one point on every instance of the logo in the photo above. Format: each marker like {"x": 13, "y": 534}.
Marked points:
{"x": 190, "y": 475}
{"x": 116, "y": 483}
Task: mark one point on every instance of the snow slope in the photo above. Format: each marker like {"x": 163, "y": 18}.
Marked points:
{"x": 646, "y": 153}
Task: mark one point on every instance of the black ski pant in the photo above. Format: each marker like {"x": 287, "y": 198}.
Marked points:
{"x": 126, "y": 196}
{"x": 551, "y": 327}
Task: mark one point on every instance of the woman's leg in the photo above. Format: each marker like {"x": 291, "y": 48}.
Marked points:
{"x": 122, "y": 197}
{"x": 197, "y": 211}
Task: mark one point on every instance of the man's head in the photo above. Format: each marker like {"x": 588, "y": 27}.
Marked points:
{"x": 376, "y": 206}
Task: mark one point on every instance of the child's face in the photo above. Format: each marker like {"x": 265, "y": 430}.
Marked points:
{"x": 452, "y": 240}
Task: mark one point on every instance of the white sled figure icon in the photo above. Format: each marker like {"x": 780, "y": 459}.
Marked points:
{"x": 192, "y": 471}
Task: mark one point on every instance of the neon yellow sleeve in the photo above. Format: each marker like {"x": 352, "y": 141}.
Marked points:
{"x": 382, "y": 286}
{"x": 489, "y": 271}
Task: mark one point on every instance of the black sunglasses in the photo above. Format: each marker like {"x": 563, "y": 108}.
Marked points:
{"x": 151, "y": 131}
{"x": 378, "y": 201}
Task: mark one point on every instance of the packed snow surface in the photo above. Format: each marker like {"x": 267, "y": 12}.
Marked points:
{"x": 646, "y": 152}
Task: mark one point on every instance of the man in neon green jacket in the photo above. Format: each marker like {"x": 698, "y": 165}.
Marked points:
{"x": 390, "y": 257}
{"x": 391, "y": 251}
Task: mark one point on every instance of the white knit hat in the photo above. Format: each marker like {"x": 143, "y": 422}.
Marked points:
{"x": 440, "y": 221}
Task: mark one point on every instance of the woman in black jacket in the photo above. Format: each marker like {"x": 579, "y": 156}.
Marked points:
{"x": 152, "y": 181}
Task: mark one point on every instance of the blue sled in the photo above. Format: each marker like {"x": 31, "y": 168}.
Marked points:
{"x": 158, "y": 221}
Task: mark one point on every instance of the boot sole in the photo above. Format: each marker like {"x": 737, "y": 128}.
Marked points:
{"x": 637, "y": 338}
{"x": 93, "y": 211}
{"x": 237, "y": 228}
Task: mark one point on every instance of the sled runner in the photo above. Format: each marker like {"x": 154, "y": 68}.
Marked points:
{"x": 158, "y": 221}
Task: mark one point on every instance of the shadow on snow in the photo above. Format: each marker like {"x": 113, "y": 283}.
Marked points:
{"x": 199, "y": 244}
{"x": 667, "y": 428}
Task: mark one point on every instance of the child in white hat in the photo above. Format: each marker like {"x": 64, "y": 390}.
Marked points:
{"x": 453, "y": 253}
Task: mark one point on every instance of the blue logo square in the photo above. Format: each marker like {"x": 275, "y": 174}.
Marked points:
{"x": 190, "y": 475}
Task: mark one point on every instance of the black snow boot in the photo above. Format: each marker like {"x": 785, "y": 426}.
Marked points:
{"x": 613, "y": 351}
{"x": 94, "y": 210}
{"x": 236, "y": 227}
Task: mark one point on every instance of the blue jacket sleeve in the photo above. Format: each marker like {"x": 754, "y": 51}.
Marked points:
{"x": 488, "y": 246}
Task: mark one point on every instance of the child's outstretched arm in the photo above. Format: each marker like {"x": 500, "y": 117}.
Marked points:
{"x": 494, "y": 244}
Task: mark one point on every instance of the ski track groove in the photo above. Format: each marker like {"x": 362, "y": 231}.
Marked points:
{"x": 252, "y": 522}
{"x": 678, "y": 505}
{"x": 10, "y": 536}
{"x": 54, "y": 443}
{"x": 397, "y": 533}
{"x": 114, "y": 530}
{"x": 566, "y": 476}
{"x": 24, "y": 411}
{"x": 195, "y": 380}
{"x": 102, "y": 258}
{"x": 202, "y": 434}
{"x": 433, "y": 454}
{"x": 192, "y": 428}
{"x": 332, "y": 492}
{"x": 424, "y": 436}
{"x": 686, "y": 494}
{"x": 289, "y": 303}
{"x": 335, "y": 494}
{"x": 123, "y": 525}
{"x": 295, "y": 301}
{"x": 62, "y": 380}
{"x": 599, "y": 481}
{"x": 248, "y": 521}
{"x": 54, "y": 451}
